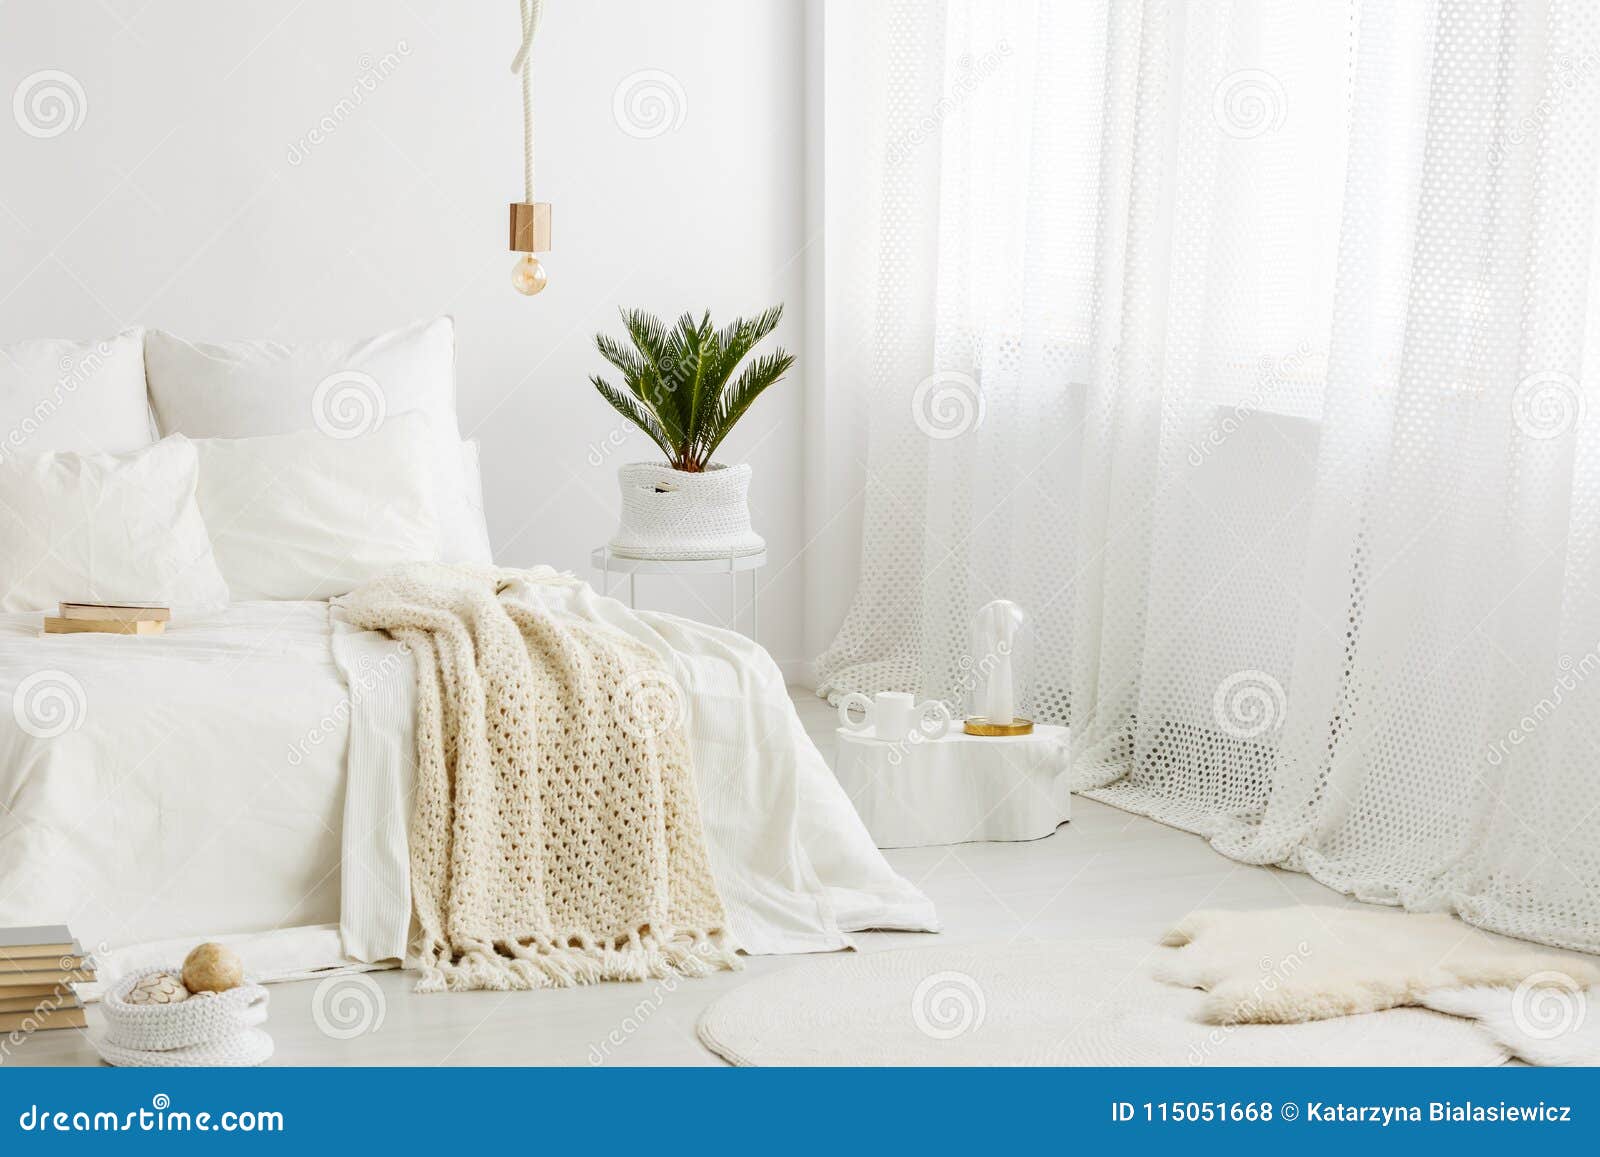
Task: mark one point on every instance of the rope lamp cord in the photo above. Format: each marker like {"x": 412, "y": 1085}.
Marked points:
{"x": 530, "y": 219}
{"x": 532, "y": 10}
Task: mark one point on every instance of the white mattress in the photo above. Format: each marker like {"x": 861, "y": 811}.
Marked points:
{"x": 247, "y": 773}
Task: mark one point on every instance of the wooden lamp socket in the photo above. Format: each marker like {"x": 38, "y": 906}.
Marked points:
{"x": 530, "y": 226}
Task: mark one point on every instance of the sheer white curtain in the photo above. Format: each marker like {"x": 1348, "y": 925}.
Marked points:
{"x": 1280, "y": 323}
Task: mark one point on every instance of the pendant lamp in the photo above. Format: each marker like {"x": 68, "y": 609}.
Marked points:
{"x": 530, "y": 219}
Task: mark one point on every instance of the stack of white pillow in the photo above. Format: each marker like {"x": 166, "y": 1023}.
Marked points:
{"x": 148, "y": 467}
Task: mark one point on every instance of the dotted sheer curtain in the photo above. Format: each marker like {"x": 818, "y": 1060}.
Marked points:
{"x": 1253, "y": 348}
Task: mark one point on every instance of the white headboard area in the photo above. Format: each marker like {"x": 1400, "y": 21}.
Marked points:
{"x": 294, "y": 171}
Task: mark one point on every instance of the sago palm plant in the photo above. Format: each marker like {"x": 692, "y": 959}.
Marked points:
{"x": 677, "y": 386}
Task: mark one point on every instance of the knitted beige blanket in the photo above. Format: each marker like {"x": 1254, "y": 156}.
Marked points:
{"x": 555, "y": 838}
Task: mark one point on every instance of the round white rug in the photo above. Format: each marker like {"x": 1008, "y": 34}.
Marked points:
{"x": 1042, "y": 1003}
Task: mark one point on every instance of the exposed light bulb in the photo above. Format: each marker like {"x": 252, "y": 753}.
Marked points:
{"x": 528, "y": 276}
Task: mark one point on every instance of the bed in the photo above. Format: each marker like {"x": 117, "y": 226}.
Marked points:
{"x": 248, "y": 773}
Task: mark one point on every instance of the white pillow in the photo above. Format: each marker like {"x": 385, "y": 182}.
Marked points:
{"x": 246, "y": 389}
{"x": 105, "y": 528}
{"x": 306, "y": 516}
{"x": 472, "y": 469}
{"x": 86, "y": 396}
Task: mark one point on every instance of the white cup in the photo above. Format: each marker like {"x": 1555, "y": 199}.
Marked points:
{"x": 893, "y": 715}
{"x": 919, "y": 719}
{"x": 850, "y": 702}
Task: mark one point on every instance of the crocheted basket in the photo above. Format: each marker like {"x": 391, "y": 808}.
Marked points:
{"x": 672, "y": 514}
{"x": 218, "y": 1028}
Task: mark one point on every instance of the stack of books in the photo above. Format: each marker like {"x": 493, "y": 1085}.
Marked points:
{"x": 109, "y": 619}
{"x": 38, "y": 967}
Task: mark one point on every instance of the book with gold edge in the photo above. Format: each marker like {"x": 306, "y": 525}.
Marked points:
{"x": 34, "y": 1021}
{"x": 47, "y": 976}
{"x": 35, "y": 992}
{"x": 117, "y": 612}
{"x": 73, "y": 961}
{"x": 59, "y": 626}
{"x": 42, "y": 940}
{"x": 56, "y": 998}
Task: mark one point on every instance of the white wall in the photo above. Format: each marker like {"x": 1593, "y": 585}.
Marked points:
{"x": 191, "y": 198}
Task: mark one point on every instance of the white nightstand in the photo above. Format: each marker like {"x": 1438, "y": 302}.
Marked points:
{"x": 731, "y": 565}
{"x": 957, "y": 789}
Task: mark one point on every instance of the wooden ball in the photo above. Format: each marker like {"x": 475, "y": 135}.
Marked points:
{"x": 158, "y": 988}
{"x": 212, "y": 968}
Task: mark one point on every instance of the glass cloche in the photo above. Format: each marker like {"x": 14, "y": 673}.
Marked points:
{"x": 1001, "y": 671}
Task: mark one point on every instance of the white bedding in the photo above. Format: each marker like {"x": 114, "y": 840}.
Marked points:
{"x": 203, "y": 788}
{"x": 172, "y": 805}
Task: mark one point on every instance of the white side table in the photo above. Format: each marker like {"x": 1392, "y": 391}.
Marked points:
{"x": 957, "y": 789}
{"x": 732, "y": 565}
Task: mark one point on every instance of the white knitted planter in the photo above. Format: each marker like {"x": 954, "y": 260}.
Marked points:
{"x": 671, "y": 514}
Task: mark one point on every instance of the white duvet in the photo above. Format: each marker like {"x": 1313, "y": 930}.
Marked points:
{"x": 249, "y": 772}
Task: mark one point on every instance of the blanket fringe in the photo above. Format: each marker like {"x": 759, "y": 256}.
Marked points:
{"x": 521, "y": 967}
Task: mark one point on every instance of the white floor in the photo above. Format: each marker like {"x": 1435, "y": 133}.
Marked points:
{"x": 1107, "y": 873}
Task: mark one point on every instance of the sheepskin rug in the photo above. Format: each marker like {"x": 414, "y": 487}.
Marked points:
{"x": 1545, "y": 1020}
{"x": 1299, "y": 964}
{"x": 1090, "y": 1002}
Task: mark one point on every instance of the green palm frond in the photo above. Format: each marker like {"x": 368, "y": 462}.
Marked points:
{"x": 631, "y": 409}
{"x": 732, "y": 343}
{"x": 757, "y": 376}
{"x": 699, "y": 371}
{"x": 679, "y": 382}
{"x": 649, "y": 337}
{"x": 742, "y": 336}
{"x": 642, "y": 378}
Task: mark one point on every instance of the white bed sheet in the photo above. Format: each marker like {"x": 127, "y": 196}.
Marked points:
{"x": 198, "y": 787}
{"x": 250, "y": 771}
